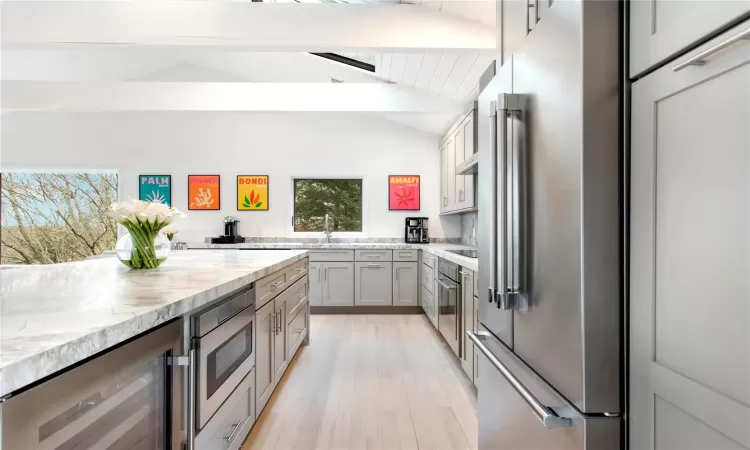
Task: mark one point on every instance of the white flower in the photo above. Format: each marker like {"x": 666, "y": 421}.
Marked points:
{"x": 171, "y": 229}
{"x": 139, "y": 211}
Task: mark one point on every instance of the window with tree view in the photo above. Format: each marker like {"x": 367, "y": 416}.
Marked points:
{"x": 341, "y": 199}
{"x": 56, "y": 217}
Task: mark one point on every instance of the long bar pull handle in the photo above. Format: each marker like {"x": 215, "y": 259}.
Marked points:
{"x": 700, "y": 58}
{"x": 545, "y": 415}
{"x": 501, "y": 268}
{"x": 273, "y": 327}
{"x": 192, "y": 391}
{"x": 492, "y": 213}
{"x": 445, "y": 286}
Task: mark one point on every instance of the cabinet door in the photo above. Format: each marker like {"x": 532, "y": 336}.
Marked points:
{"x": 444, "y": 178}
{"x": 690, "y": 217}
{"x": 120, "y": 400}
{"x": 265, "y": 326}
{"x": 297, "y": 329}
{"x": 338, "y": 284}
{"x": 450, "y": 174}
{"x": 280, "y": 359}
{"x": 511, "y": 19}
{"x": 315, "y": 277}
{"x": 373, "y": 284}
{"x": 660, "y": 29}
{"x": 469, "y": 139}
{"x": 467, "y": 310}
{"x": 459, "y": 183}
{"x": 405, "y": 283}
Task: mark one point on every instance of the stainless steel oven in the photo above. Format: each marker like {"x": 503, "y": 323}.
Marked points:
{"x": 449, "y": 303}
{"x": 224, "y": 345}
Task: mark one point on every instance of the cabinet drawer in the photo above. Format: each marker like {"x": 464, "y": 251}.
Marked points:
{"x": 297, "y": 330}
{"x": 332, "y": 255}
{"x": 296, "y": 271}
{"x": 373, "y": 255}
{"x": 428, "y": 277}
{"x": 269, "y": 287}
{"x": 405, "y": 255}
{"x": 429, "y": 259}
{"x": 427, "y": 301}
{"x": 230, "y": 425}
{"x": 295, "y": 296}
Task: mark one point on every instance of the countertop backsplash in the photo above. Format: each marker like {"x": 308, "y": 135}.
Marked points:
{"x": 469, "y": 228}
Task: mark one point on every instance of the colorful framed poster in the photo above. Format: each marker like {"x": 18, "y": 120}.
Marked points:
{"x": 252, "y": 192}
{"x": 403, "y": 193}
{"x": 204, "y": 192}
{"x": 155, "y": 188}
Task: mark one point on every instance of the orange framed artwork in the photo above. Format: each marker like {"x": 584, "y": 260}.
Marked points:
{"x": 252, "y": 192}
{"x": 204, "y": 192}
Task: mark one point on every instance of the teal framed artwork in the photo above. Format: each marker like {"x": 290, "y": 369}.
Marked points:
{"x": 155, "y": 188}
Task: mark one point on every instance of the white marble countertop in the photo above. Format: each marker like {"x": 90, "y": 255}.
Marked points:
{"x": 54, "y": 316}
{"x": 440, "y": 250}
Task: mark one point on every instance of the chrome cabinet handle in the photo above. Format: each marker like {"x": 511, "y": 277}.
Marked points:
{"x": 397, "y": 269}
{"x": 700, "y": 58}
{"x": 545, "y": 415}
{"x": 236, "y": 428}
{"x": 273, "y": 327}
{"x": 276, "y": 285}
{"x": 377, "y": 266}
{"x": 445, "y": 201}
{"x": 299, "y": 269}
{"x": 280, "y": 319}
{"x": 325, "y": 273}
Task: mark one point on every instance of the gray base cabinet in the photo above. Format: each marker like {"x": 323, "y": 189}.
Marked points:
{"x": 690, "y": 218}
{"x": 264, "y": 350}
{"x": 280, "y": 359}
{"x": 373, "y": 284}
{"x": 405, "y": 283}
{"x": 338, "y": 284}
{"x": 467, "y": 313}
{"x": 316, "y": 283}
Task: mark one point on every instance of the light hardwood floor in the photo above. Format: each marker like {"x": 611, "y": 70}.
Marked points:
{"x": 374, "y": 382}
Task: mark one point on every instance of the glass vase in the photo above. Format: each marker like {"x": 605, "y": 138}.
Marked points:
{"x": 142, "y": 249}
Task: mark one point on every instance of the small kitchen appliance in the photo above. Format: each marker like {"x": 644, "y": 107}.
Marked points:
{"x": 416, "y": 230}
{"x": 231, "y": 232}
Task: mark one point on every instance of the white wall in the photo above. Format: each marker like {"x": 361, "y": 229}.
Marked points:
{"x": 281, "y": 145}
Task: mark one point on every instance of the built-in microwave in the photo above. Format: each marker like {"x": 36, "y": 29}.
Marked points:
{"x": 223, "y": 340}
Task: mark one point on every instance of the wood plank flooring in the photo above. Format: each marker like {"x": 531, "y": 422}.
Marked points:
{"x": 370, "y": 382}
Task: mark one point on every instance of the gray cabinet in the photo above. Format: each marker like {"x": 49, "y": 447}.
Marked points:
{"x": 690, "y": 219}
{"x": 660, "y": 29}
{"x": 405, "y": 283}
{"x": 264, "y": 350}
{"x": 338, "y": 284}
{"x": 511, "y": 16}
{"x": 373, "y": 284}
{"x": 467, "y": 314}
{"x": 457, "y": 191}
{"x": 315, "y": 274}
{"x": 280, "y": 359}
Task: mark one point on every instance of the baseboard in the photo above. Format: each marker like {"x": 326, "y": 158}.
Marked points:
{"x": 366, "y": 310}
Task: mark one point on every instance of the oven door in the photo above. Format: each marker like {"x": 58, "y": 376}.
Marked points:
{"x": 225, "y": 356}
{"x": 448, "y": 311}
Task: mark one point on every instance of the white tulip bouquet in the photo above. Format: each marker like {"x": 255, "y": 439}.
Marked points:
{"x": 143, "y": 220}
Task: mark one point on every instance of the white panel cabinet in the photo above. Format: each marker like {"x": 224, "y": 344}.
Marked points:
{"x": 373, "y": 284}
{"x": 690, "y": 218}
{"x": 457, "y": 191}
{"x": 660, "y": 29}
{"x": 338, "y": 284}
{"x": 405, "y": 283}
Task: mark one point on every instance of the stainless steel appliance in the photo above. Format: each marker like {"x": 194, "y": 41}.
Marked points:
{"x": 224, "y": 345}
{"x": 416, "y": 230}
{"x": 449, "y": 303}
{"x": 231, "y": 232}
{"x": 550, "y": 260}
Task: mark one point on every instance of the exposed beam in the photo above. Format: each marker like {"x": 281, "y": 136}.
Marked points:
{"x": 229, "y": 96}
{"x": 241, "y": 26}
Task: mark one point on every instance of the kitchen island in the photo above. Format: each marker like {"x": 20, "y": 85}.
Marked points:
{"x": 54, "y": 318}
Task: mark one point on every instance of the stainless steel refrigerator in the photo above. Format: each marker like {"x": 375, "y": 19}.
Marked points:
{"x": 549, "y": 220}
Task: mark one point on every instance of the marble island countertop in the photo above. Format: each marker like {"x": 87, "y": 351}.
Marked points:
{"x": 57, "y": 315}
{"x": 440, "y": 250}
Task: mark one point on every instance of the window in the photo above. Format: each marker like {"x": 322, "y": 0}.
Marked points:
{"x": 341, "y": 199}
{"x": 56, "y": 217}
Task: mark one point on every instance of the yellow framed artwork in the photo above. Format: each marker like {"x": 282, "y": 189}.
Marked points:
{"x": 252, "y": 192}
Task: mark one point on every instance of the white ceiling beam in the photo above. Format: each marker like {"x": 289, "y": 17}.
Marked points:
{"x": 248, "y": 26}
{"x": 219, "y": 96}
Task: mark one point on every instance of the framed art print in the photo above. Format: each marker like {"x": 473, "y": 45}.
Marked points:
{"x": 252, "y": 192}
{"x": 155, "y": 188}
{"x": 204, "y": 192}
{"x": 403, "y": 193}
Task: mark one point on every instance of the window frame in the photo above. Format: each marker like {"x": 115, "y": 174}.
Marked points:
{"x": 293, "y": 227}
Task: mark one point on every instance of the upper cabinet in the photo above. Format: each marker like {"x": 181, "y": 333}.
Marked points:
{"x": 459, "y": 145}
{"x": 660, "y": 29}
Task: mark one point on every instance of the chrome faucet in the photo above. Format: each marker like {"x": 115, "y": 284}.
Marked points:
{"x": 327, "y": 230}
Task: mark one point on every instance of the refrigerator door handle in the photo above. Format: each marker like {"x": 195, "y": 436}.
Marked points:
{"x": 501, "y": 193}
{"x": 493, "y": 204}
{"x": 546, "y": 416}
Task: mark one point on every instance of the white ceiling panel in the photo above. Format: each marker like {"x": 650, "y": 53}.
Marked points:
{"x": 429, "y": 64}
{"x": 458, "y": 75}
{"x": 472, "y": 78}
{"x": 442, "y": 72}
{"x": 385, "y": 69}
{"x": 398, "y": 65}
{"x": 413, "y": 65}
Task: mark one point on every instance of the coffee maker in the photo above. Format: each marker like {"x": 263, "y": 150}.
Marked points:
{"x": 416, "y": 231}
{"x": 231, "y": 232}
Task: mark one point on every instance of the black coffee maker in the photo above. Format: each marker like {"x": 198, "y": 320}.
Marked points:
{"x": 231, "y": 232}
{"x": 416, "y": 231}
